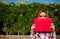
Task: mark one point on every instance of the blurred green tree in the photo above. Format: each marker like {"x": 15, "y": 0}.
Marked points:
{"x": 18, "y": 19}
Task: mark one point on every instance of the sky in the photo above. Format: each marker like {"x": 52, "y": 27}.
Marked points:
{"x": 40, "y": 1}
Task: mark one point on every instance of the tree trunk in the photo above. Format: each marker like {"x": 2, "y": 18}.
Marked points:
{"x": 7, "y": 33}
{"x": 18, "y": 32}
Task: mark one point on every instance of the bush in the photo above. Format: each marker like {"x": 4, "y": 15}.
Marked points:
{"x": 20, "y": 18}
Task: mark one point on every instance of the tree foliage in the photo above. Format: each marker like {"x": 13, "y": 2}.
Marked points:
{"x": 18, "y": 19}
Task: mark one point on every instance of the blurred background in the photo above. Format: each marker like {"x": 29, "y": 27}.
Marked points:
{"x": 16, "y": 16}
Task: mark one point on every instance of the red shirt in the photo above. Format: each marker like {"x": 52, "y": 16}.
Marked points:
{"x": 43, "y": 24}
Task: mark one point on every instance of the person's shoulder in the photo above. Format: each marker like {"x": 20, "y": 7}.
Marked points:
{"x": 35, "y": 18}
{"x": 50, "y": 18}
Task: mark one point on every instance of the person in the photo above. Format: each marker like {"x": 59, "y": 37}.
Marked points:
{"x": 42, "y": 14}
